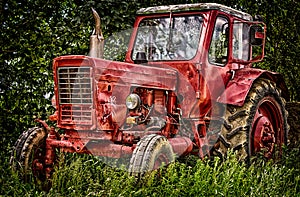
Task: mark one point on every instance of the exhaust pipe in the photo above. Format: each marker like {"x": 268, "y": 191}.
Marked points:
{"x": 96, "y": 39}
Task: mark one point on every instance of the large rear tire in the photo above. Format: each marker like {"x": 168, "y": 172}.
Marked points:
{"x": 28, "y": 154}
{"x": 260, "y": 125}
{"x": 152, "y": 152}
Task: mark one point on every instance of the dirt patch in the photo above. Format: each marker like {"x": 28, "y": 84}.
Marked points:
{"x": 293, "y": 109}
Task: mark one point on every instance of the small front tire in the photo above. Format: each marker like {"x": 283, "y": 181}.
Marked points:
{"x": 28, "y": 156}
{"x": 151, "y": 153}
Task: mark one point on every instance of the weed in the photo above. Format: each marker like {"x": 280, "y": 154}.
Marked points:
{"x": 85, "y": 175}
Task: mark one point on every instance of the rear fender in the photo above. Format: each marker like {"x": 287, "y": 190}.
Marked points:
{"x": 239, "y": 86}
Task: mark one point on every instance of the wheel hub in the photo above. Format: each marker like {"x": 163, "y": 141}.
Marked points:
{"x": 264, "y": 136}
{"x": 37, "y": 165}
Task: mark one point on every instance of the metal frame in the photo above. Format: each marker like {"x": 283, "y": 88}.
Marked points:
{"x": 194, "y": 7}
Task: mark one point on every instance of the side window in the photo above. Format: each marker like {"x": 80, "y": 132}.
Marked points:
{"x": 219, "y": 42}
{"x": 240, "y": 41}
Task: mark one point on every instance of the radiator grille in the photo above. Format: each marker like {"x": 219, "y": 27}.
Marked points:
{"x": 75, "y": 95}
{"x": 79, "y": 115}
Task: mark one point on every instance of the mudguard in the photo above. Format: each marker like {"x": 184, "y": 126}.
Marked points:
{"x": 238, "y": 87}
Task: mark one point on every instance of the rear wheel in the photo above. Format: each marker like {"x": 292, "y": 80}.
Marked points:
{"x": 260, "y": 125}
{"x": 28, "y": 156}
{"x": 152, "y": 152}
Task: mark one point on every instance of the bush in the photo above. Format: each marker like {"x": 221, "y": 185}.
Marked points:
{"x": 84, "y": 175}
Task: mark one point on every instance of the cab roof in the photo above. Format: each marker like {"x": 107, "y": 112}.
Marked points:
{"x": 194, "y": 7}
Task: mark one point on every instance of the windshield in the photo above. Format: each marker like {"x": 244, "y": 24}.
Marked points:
{"x": 168, "y": 39}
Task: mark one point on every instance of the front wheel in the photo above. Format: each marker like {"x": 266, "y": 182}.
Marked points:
{"x": 28, "y": 154}
{"x": 260, "y": 125}
{"x": 152, "y": 152}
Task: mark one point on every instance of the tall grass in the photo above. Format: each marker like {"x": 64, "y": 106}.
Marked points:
{"x": 85, "y": 175}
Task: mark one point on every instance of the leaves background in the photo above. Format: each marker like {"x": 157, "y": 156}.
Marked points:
{"x": 33, "y": 32}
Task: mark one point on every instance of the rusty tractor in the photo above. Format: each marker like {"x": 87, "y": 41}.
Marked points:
{"x": 187, "y": 86}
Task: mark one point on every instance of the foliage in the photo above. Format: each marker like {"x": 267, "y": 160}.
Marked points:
{"x": 82, "y": 175}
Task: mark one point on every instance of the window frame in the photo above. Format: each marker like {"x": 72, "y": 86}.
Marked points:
{"x": 227, "y": 37}
{"x": 200, "y": 15}
{"x": 248, "y": 45}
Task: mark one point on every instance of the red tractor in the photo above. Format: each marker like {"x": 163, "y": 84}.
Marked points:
{"x": 187, "y": 86}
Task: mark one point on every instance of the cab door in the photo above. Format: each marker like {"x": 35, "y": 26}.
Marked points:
{"x": 215, "y": 70}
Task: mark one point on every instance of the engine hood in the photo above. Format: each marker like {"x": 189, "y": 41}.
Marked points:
{"x": 150, "y": 76}
{"x": 113, "y": 81}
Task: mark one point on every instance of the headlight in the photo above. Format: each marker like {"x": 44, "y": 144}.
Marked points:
{"x": 133, "y": 101}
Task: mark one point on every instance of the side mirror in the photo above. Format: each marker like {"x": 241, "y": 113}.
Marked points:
{"x": 257, "y": 35}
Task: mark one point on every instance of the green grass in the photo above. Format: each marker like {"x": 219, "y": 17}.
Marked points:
{"x": 82, "y": 175}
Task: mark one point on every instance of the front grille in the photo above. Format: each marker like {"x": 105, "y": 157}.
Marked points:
{"x": 75, "y": 85}
{"x": 76, "y": 114}
{"x": 75, "y": 95}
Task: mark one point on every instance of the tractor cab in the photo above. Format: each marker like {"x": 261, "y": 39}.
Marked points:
{"x": 200, "y": 33}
